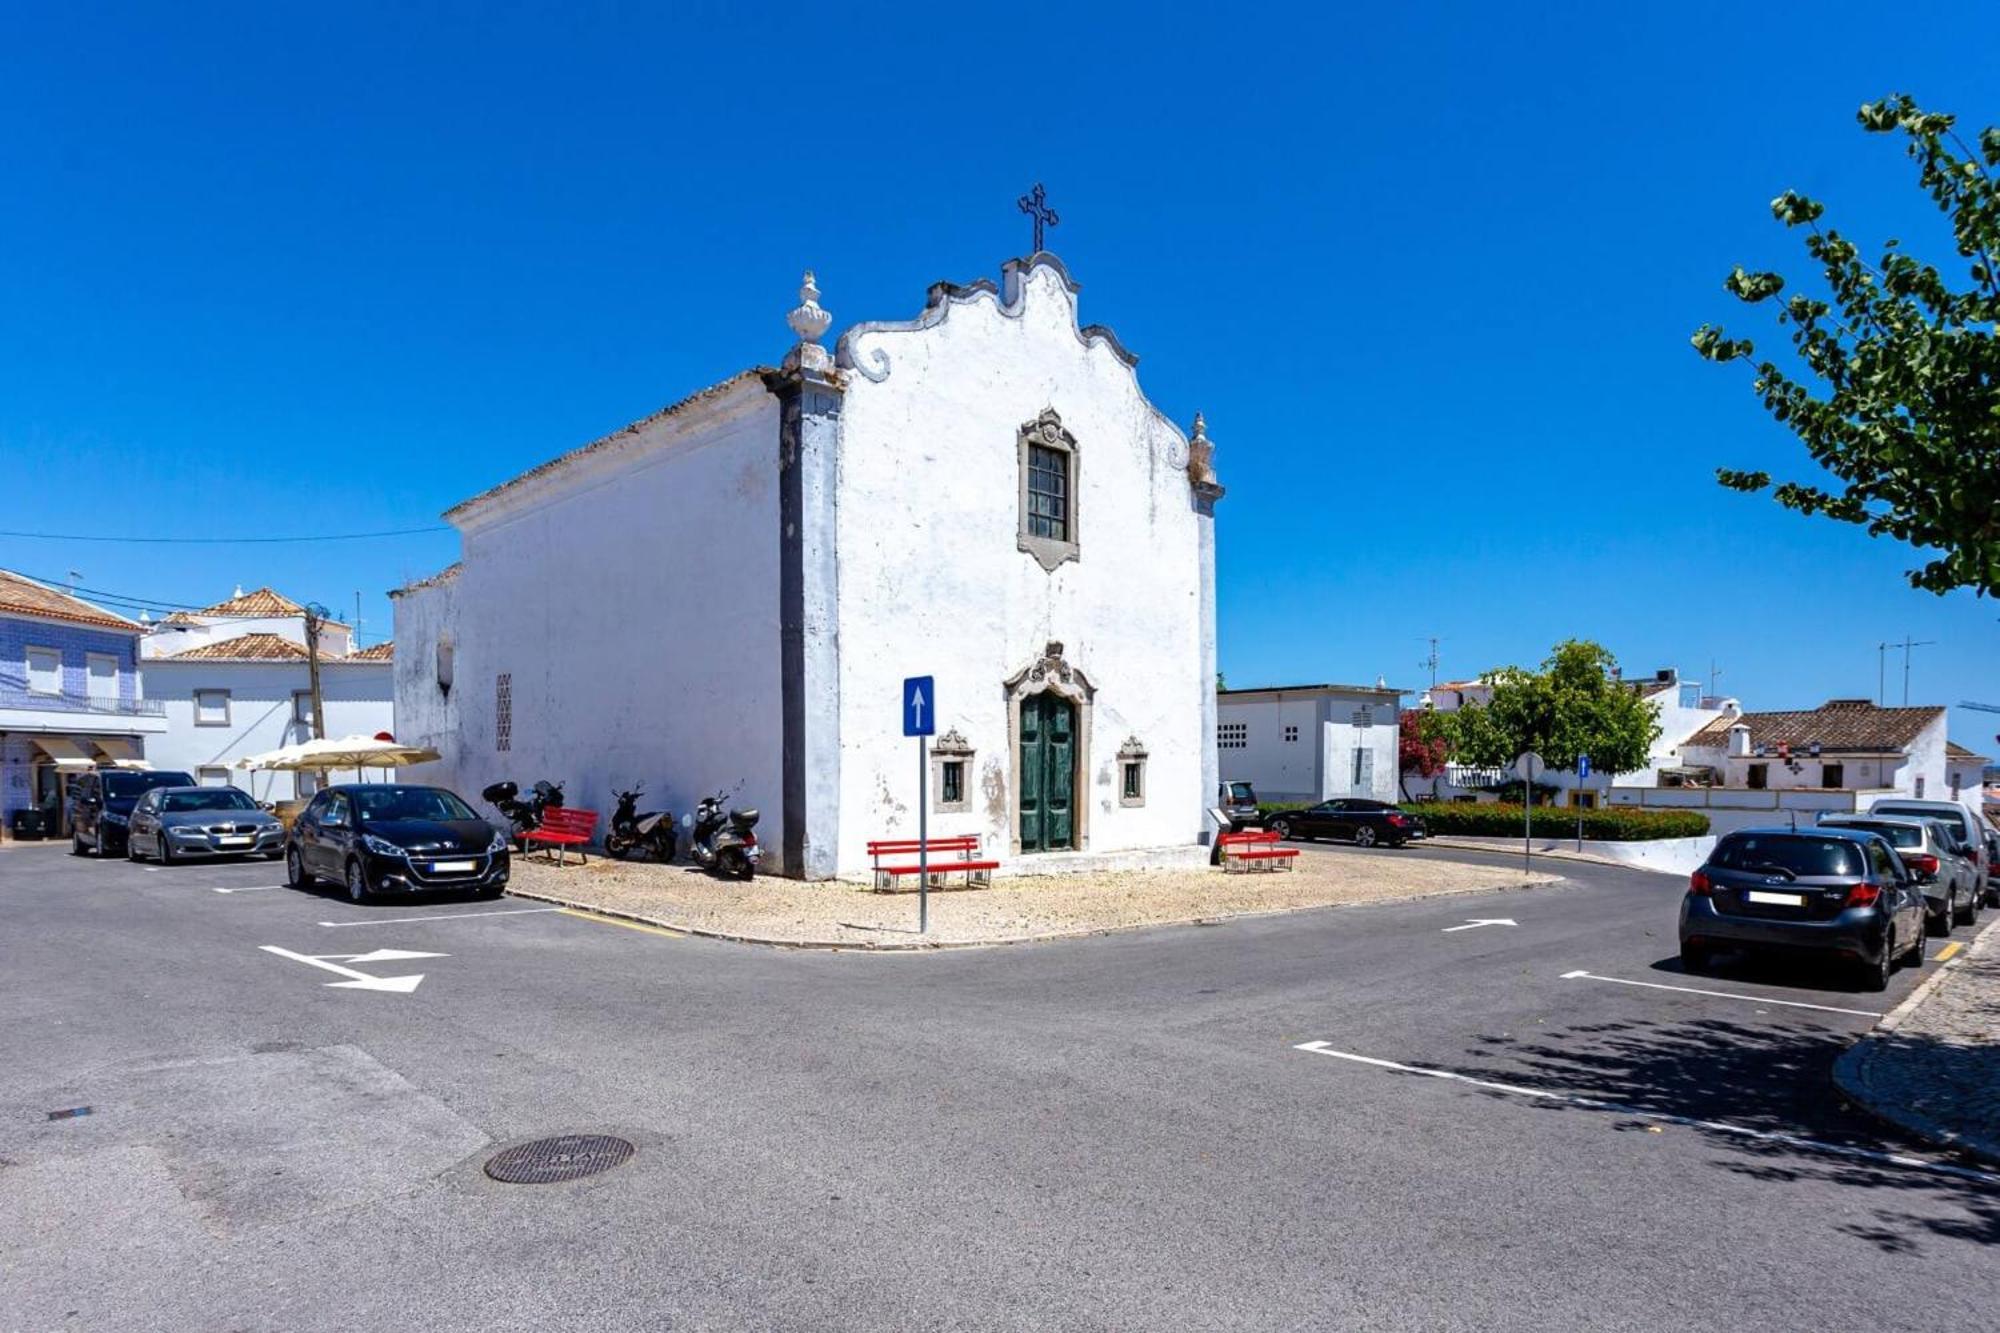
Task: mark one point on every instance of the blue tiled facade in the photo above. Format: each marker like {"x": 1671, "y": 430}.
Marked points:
{"x": 75, "y": 643}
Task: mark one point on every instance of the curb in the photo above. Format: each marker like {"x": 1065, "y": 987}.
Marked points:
{"x": 1853, "y": 1072}
{"x": 1581, "y": 858}
{"x": 938, "y": 946}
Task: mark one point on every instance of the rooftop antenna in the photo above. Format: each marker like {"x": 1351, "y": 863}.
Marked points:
{"x": 75, "y": 578}
{"x": 1906, "y": 645}
{"x": 1432, "y": 661}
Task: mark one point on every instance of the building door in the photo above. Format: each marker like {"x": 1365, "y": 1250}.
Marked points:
{"x": 1048, "y": 773}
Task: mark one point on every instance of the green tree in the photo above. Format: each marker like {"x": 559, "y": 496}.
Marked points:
{"x": 1908, "y": 413}
{"x": 1573, "y": 706}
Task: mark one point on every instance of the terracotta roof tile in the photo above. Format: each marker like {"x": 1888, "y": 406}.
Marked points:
{"x": 27, "y": 597}
{"x": 381, "y": 652}
{"x": 245, "y": 648}
{"x": 1842, "y": 725}
{"x": 1953, "y": 750}
{"x": 261, "y": 602}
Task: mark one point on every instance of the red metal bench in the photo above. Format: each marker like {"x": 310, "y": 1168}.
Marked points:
{"x": 562, "y": 827}
{"x": 1254, "y": 849}
{"x": 939, "y": 852}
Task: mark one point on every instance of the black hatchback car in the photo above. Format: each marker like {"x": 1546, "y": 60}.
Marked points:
{"x": 1835, "y": 891}
{"x": 384, "y": 838}
{"x": 1362, "y": 822}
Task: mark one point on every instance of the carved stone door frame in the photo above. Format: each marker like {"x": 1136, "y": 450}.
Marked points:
{"x": 1051, "y": 674}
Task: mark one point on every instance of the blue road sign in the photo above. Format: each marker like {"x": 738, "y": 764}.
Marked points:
{"x": 1583, "y": 765}
{"x": 919, "y": 707}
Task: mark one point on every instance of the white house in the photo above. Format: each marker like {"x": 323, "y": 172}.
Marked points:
{"x": 728, "y": 595}
{"x": 1310, "y": 742}
{"x": 1964, "y": 772}
{"x": 234, "y": 680}
{"x": 1843, "y": 745}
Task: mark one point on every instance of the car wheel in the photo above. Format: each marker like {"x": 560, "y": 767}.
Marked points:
{"x": 1877, "y": 976}
{"x": 295, "y": 870}
{"x": 357, "y": 882}
{"x": 1968, "y": 910}
{"x": 166, "y": 851}
{"x": 1283, "y": 828}
{"x": 75, "y": 843}
{"x": 1364, "y": 836}
{"x": 1914, "y": 955}
{"x": 1694, "y": 959}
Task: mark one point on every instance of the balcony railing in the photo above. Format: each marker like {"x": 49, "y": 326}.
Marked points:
{"x": 13, "y": 696}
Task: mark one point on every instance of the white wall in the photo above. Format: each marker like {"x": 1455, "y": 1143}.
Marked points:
{"x": 359, "y": 700}
{"x": 1731, "y": 808}
{"x": 426, "y": 615}
{"x": 1320, "y": 763}
{"x": 632, "y": 596}
{"x": 931, "y": 580}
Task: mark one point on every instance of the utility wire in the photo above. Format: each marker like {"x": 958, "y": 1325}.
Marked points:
{"x": 221, "y": 541}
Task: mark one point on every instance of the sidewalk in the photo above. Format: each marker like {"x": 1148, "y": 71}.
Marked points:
{"x": 1933, "y": 1065}
{"x": 834, "y": 914}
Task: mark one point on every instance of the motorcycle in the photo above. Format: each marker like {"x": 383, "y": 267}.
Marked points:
{"x": 651, "y": 834}
{"x": 523, "y": 817}
{"x": 722, "y": 841}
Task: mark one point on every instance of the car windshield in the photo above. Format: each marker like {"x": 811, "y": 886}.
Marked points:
{"x": 1240, "y": 791}
{"x": 1903, "y": 835}
{"x": 121, "y": 785}
{"x": 222, "y": 798}
{"x": 1791, "y": 854}
{"x": 389, "y": 805}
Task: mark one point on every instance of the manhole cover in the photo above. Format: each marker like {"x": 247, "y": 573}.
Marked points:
{"x": 551, "y": 1161}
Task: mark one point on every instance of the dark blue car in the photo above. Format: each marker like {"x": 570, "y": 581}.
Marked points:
{"x": 1832, "y": 891}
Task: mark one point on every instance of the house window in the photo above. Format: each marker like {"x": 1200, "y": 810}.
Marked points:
{"x": 951, "y": 762}
{"x": 1232, "y": 735}
{"x": 1920, "y": 786}
{"x": 44, "y": 671}
{"x": 102, "y": 670}
{"x": 211, "y": 708}
{"x": 212, "y": 777}
{"x": 1048, "y": 465}
{"x": 1833, "y": 775}
{"x": 302, "y": 707}
{"x": 1758, "y": 776}
{"x": 1291, "y": 735}
{"x": 503, "y": 711}
{"x": 1132, "y": 773}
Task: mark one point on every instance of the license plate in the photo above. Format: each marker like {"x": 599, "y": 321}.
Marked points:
{"x": 1417, "y": 833}
{"x": 446, "y": 867}
{"x": 1776, "y": 899}
{"x": 233, "y": 840}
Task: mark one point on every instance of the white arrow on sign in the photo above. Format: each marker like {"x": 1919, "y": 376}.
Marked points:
{"x": 917, "y": 703}
{"x": 361, "y": 980}
{"x": 1477, "y": 922}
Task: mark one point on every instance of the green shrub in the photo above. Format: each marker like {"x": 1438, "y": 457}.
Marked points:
{"x": 1610, "y": 824}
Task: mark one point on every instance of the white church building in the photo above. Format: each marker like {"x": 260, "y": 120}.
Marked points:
{"x": 728, "y": 594}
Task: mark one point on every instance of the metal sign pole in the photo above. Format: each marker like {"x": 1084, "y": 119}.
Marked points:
{"x": 923, "y": 840}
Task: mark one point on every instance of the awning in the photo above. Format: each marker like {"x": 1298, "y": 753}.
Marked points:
{"x": 68, "y": 755}
{"x": 119, "y": 751}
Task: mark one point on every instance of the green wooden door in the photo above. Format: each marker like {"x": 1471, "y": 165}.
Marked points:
{"x": 1048, "y": 773}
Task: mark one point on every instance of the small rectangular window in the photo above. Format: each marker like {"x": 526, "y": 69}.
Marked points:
{"x": 1758, "y": 776}
{"x": 1833, "y": 775}
{"x": 302, "y": 707}
{"x": 213, "y": 777}
{"x": 503, "y": 711}
{"x": 44, "y": 671}
{"x": 1232, "y": 735}
{"x": 211, "y": 708}
{"x": 1131, "y": 780}
{"x": 1920, "y": 786}
{"x": 951, "y": 781}
{"x": 102, "y": 671}
{"x": 1048, "y": 493}
{"x": 1291, "y": 734}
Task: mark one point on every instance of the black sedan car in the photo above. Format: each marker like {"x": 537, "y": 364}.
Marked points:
{"x": 1362, "y": 822}
{"x": 388, "y": 838}
{"x": 169, "y": 823}
{"x": 1833, "y": 891}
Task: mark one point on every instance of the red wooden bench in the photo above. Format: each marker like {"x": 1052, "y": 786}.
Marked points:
{"x": 562, "y": 827}
{"x": 1254, "y": 849}
{"x": 939, "y": 851}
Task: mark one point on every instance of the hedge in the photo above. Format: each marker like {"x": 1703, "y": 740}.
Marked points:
{"x": 1610, "y": 824}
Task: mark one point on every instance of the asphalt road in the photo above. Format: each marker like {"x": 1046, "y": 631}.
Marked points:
{"x": 1121, "y": 1132}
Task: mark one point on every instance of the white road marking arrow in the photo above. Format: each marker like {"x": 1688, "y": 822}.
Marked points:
{"x": 386, "y": 955}
{"x": 1477, "y": 922}
{"x": 361, "y": 981}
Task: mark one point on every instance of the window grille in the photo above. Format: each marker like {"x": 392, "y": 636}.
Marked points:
{"x": 503, "y": 711}
{"x": 1232, "y": 735}
{"x": 1291, "y": 733}
{"x": 1048, "y": 493}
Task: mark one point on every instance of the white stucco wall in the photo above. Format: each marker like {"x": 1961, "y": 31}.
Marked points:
{"x": 359, "y": 698}
{"x": 931, "y": 580}
{"x": 631, "y": 594}
{"x": 426, "y": 614}
{"x": 1320, "y": 763}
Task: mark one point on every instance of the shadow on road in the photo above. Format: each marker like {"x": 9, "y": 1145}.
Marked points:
{"x": 1776, "y": 1079}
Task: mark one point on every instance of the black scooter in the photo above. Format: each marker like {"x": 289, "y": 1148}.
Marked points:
{"x": 523, "y": 817}
{"x": 722, "y": 842}
{"x": 650, "y": 835}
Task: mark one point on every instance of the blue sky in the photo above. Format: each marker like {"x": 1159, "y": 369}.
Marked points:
{"x": 1430, "y": 271}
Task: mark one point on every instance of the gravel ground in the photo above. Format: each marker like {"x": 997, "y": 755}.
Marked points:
{"x": 782, "y": 911}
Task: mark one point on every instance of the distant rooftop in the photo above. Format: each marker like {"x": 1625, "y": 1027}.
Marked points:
{"x": 24, "y": 596}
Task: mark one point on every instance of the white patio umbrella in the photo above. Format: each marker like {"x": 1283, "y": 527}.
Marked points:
{"x": 347, "y": 752}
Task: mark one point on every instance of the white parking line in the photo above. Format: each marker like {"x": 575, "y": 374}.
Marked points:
{"x": 441, "y": 916}
{"x": 258, "y": 888}
{"x": 1722, "y": 994}
{"x": 1690, "y": 1122}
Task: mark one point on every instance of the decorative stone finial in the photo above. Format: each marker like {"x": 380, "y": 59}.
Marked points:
{"x": 1201, "y": 456}
{"x": 810, "y": 323}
